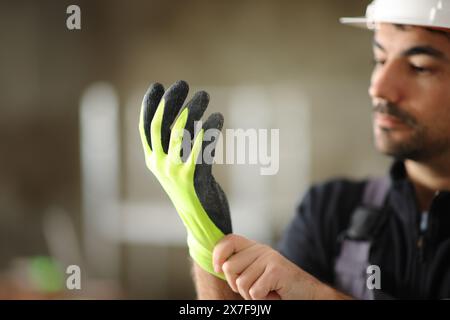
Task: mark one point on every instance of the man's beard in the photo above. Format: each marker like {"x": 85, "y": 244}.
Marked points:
{"x": 411, "y": 148}
{"x": 417, "y": 146}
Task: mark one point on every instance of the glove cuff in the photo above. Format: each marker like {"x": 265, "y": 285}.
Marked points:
{"x": 202, "y": 256}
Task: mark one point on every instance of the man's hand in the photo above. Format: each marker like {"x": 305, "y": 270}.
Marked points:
{"x": 256, "y": 271}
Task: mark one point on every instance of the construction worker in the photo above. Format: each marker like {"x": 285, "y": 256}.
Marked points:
{"x": 380, "y": 238}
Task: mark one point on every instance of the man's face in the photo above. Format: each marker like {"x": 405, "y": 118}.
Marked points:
{"x": 410, "y": 91}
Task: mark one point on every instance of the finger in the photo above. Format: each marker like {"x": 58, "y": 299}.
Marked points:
{"x": 249, "y": 275}
{"x": 148, "y": 108}
{"x": 234, "y": 266}
{"x": 196, "y": 149}
{"x": 265, "y": 287}
{"x": 176, "y": 136}
{"x": 218, "y": 211}
{"x": 226, "y": 247}
{"x": 196, "y": 107}
{"x": 211, "y": 127}
{"x": 155, "y": 128}
{"x": 173, "y": 101}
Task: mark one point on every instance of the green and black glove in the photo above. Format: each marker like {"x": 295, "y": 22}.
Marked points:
{"x": 188, "y": 180}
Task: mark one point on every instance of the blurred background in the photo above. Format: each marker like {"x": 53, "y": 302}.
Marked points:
{"x": 74, "y": 189}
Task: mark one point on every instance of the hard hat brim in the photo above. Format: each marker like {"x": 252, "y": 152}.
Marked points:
{"x": 360, "y": 22}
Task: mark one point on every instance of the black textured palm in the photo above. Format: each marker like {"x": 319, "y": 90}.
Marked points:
{"x": 209, "y": 192}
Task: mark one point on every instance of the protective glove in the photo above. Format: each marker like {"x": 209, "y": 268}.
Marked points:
{"x": 187, "y": 179}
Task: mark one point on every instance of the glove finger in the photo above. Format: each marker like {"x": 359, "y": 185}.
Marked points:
{"x": 149, "y": 105}
{"x": 173, "y": 101}
{"x": 176, "y": 136}
{"x": 196, "y": 107}
{"x": 211, "y": 127}
{"x": 196, "y": 150}
{"x": 204, "y": 145}
{"x": 210, "y": 194}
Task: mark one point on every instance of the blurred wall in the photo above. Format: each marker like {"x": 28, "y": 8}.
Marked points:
{"x": 218, "y": 44}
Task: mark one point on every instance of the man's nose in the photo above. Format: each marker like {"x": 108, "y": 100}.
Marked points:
{"x": 386, "y": 83}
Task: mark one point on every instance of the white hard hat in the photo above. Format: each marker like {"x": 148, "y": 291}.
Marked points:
{"x": 426, "y": 13}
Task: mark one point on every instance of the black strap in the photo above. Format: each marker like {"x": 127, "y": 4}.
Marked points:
{"x": 355, "y": 242}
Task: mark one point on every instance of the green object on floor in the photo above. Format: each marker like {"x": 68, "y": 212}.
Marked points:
{"x": 46, "y": 274}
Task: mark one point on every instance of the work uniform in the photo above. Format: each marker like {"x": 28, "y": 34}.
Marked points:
{"x": 411, "y": 249}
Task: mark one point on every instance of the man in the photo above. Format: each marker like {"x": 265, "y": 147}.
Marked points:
{"x": 408, "y": 241}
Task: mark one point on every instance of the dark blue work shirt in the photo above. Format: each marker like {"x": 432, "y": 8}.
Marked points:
{"x": 414, "y": 261}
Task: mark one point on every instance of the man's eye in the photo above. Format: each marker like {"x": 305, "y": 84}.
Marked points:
{"x": 378, "y": 62}
{"x": 419, "y": 69}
